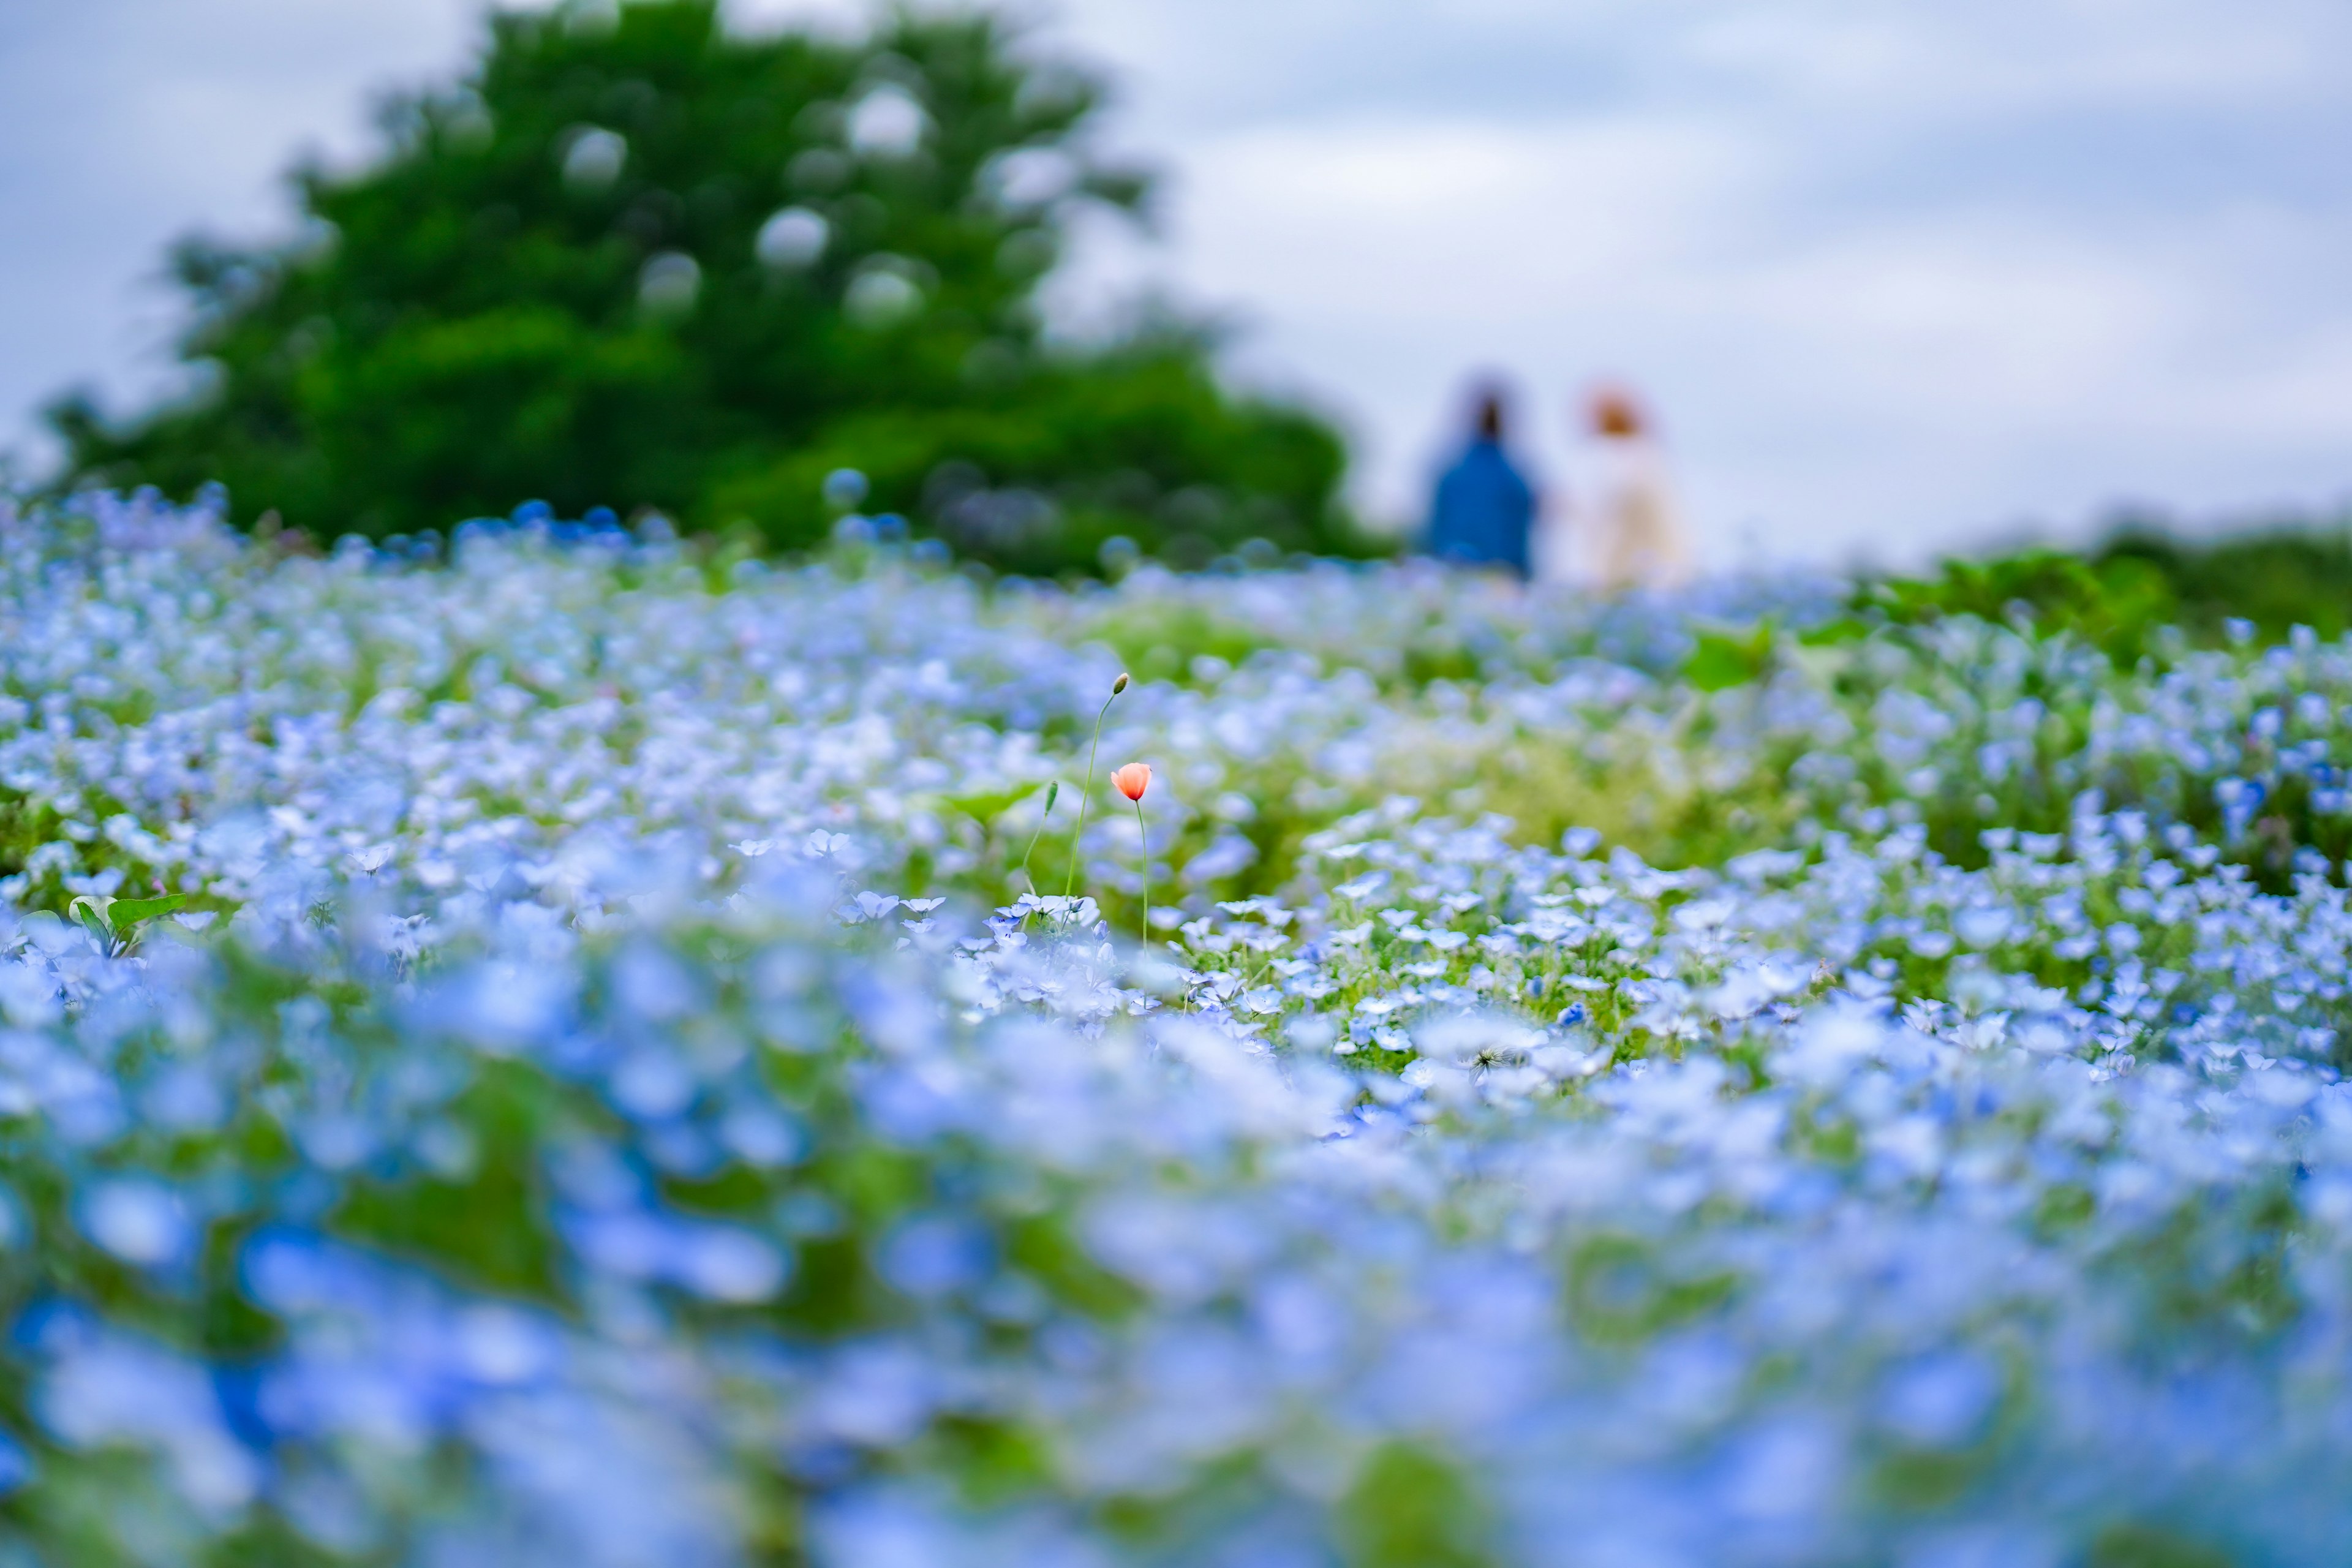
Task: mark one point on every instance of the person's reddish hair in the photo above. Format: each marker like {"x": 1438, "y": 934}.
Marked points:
{"x": 1615, "y": 414}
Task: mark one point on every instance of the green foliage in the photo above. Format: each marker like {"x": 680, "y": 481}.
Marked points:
{"x": 1725, "y": 657}
{"x": 2278, "y": 576}
{"x": 1170, "y": 641}
{"x": 1408, "y": 1510}
{"x": 115, "y": 922}
{"x": 484, "y": 1224}
{"x": 2139, "y": 1546}
{"x": 2114, "y": 604}
{"x": 651, "y": 262}
{"x": 2144, "y": 576}
{"x": 1618, "y": 1296}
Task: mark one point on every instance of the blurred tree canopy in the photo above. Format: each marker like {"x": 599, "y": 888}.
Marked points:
{"x": 637, "y": 259}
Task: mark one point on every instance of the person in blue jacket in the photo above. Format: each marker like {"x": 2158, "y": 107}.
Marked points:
{"x": 1484, "y": 508}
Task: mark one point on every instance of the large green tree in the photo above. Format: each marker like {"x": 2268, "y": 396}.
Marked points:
{"x": 639, "y": 259}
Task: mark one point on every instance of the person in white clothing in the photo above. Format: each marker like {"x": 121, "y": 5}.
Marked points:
{"x": 1627, "y": 524}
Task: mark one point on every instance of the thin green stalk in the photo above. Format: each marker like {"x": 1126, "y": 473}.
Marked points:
{"x": 1053, "y": 792}
{"x": 1086, "y": 796}
{"x": 1145, "y": 833}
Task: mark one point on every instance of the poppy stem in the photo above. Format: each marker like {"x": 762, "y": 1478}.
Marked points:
{"x": 1085, "y": 796}
{"x": 1145, "y": 833}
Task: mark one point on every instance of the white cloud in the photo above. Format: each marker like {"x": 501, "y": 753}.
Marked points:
{"x": 127, "y": 123}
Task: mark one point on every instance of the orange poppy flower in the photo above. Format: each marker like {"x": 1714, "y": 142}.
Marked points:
{"x": 1132, "y": 780}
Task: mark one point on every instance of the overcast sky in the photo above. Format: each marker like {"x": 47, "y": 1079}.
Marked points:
{"x": 1898, "y": 277}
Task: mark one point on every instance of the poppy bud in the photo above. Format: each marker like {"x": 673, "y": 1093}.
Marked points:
{"x": 1119, "y": 685}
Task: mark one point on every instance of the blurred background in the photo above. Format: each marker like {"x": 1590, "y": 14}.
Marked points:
{"x": 1898, "y": 280}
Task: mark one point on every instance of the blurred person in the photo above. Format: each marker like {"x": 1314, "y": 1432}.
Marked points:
{"x": 1483, "y": 507}
{"x": 1636, "y": 538}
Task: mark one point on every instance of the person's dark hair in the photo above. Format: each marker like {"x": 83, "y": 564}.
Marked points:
{"x": 1490, "y": 415}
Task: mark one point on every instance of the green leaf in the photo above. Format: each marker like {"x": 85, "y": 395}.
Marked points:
{"x": 91, "y": 913}
{"x": 128, "y": 913}
{"x": 1723, "y": 660}
{"x": 1830, "y": 634}
{"x": 985, "y": 806}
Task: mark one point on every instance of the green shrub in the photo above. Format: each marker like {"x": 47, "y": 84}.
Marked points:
{"x": 646, "y": 261}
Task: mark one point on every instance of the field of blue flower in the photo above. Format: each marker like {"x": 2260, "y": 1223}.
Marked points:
{"x": 572, "y": 1049}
